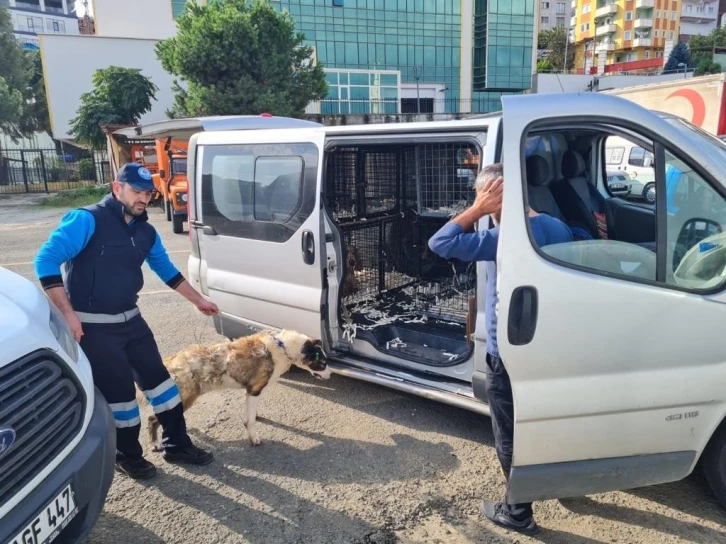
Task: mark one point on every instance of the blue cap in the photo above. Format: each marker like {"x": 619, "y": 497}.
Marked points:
{"x": 136, "y": 175}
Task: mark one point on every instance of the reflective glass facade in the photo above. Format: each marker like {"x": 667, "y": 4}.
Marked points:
{"x": 422, "y": 38}
{"x": 503, "y": 42}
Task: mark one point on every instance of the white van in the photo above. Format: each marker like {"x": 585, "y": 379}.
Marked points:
{"x": 57, "y": 436}
{"x": 614, "y": 345}
{"x": 637, "y": 162}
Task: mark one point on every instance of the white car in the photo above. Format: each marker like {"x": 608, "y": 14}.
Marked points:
{"x": 57, "y": 435}
{"x": 619, "y": 182}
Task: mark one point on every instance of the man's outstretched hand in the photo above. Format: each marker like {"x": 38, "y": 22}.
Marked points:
{"x": 207, "y": 307}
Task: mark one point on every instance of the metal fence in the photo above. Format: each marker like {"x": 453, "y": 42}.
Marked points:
{"x": 46, "y": 170}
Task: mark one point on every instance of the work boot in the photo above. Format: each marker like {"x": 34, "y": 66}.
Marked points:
{"x": 190, "y": 455}
{"x": 498, "y": 512}
{"x": 138, "y": 469}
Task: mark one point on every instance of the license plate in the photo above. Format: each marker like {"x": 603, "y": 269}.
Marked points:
{"x": 617, "y": 186}
{"x": 50, "y": 521}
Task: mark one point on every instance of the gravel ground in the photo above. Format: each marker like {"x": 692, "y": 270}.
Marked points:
{"x": 341, "y": 461}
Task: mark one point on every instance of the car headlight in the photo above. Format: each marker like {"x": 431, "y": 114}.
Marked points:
{"x": 62, "y": 332}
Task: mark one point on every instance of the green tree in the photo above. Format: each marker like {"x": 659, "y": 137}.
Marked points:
{"x": 544, "y": 65}
{"x": 23, "y": 108}
{"x": 679, "y": 55}
{"x": 233, "y": 57}
{"x": 554, "y": 42}
{"x": 120, "y": 96}
{"x": 701, "y": 47}
{"x": 707, "y": 67}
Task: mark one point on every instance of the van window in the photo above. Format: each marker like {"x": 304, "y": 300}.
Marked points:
{"x": 614, "y": 155}
{"x": 263, "y": 192}
{"x": 694, "y": 256}
{"x": 640, "y": 157}
{"x": 278, "y": 181}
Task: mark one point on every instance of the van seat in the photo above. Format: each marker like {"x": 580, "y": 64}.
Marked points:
{"x": 539, "y": 175}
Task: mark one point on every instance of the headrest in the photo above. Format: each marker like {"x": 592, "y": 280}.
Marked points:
{"x": 538, "y": 171}
{"x": 573, "y": 165}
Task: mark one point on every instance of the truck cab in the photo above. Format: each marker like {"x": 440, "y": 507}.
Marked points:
{"x": 612, "y": 342}
{"x": 171, "y": 180}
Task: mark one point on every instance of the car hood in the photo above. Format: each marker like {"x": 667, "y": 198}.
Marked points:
{"x": 24, "y": 315}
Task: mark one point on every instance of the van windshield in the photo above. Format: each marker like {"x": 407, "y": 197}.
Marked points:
{"x": 708, "y": 140}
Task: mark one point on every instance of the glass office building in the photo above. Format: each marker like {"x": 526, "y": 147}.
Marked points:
{"x": 391, "y": 56}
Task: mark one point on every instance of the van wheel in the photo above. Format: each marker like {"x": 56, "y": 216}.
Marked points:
{"x": 649, "y": 193}
{"x": 714, "y": 463}
{"x": 178, "y": 224}
{"x": 167, "y": 207}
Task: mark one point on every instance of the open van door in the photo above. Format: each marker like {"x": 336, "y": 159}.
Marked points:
{"x": 257, "y": 218}
{"x": 616, "y": 371}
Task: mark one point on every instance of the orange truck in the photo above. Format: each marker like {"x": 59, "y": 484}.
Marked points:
{"x": 700, "y": 100}
{"x": 170, "y": 180}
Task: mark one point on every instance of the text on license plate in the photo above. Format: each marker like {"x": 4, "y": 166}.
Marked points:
{"x": 617, "y": 186}
{"x": 50, "y": 521}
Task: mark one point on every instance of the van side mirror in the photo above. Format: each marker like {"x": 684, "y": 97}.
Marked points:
{"x": 162, "y": 174}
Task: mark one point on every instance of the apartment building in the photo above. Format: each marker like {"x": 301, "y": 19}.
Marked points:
{"x": 698, "y": 17}
{"x": 553, "y": 13}
{"x": 623, "y": 35}
{"x": 33, "y": 17}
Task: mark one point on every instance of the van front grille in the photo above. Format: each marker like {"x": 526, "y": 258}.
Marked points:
{"x": 43, "y": 402}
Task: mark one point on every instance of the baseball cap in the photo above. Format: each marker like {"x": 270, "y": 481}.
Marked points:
{"x": 136, "y": 175}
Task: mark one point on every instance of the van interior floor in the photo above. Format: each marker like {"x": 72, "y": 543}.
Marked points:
{"x": 395, "y": 323}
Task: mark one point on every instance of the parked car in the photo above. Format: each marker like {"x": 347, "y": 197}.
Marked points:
{"x": 625, "y": 155}
{"x": 619, "y": 183}
{"x": 57, "y": 434}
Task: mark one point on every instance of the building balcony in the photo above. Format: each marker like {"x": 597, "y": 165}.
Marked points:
{"x": 643, "y": 23}
{"x": 644, "y": 4}
{"x": 642, "y": 42}
{"x": 604, "y": 30}
{"x": 573, "y": 22}
{"x": 608, "y": 46}
{"x": 610, "y": 9}
{"x": 573, "y": 4}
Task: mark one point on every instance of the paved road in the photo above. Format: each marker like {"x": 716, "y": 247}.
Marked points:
{"x": 342, "y": 461}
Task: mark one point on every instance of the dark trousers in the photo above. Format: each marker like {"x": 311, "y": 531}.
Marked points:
{"x": 124, "y": 353}
{"x": 501, "y": 406}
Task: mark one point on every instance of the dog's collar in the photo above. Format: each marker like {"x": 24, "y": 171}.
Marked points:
{"x": 279, "y": 343}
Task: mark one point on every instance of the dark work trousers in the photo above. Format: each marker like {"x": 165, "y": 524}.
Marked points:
{"x": 124, "y": 353}
{"x": 501, "y": 406}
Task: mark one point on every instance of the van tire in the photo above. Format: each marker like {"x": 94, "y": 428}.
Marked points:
{"x": 167, "y": 208}
{"x": 713, "y": 461}
{"x": 177, "y": 224}
{"x": 647, "y": 190}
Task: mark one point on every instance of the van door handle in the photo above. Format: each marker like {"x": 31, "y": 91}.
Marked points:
{"x": 522, "y": 316}
{"x": 209, "y": 231}
{"x": 308, "y": 247}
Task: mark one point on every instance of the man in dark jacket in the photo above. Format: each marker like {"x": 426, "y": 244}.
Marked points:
{"x": 103, "y": 248}
{"x": 457, "y": 240}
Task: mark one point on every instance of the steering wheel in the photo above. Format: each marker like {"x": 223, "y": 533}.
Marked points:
{"x": 704, "y": 264}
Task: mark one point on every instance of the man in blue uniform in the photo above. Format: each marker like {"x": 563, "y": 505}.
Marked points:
{"x": 457, "y": 240}
{"x": 103, "y": 247}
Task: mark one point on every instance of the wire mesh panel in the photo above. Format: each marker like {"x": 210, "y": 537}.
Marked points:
{"x": 341, "y": 183}
{"x": 445, "y": 175}
{"x": 363, "y": 182}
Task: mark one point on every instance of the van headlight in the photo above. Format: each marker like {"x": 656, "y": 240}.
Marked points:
{"x": 62, "y": 332}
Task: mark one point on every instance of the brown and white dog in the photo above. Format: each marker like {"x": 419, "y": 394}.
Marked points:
{"x": 251, "y": 363}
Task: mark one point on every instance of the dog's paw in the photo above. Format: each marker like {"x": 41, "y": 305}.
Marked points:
{"x": 254, "y": 438}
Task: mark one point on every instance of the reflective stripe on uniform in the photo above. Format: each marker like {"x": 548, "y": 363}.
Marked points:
{"x": 126, "y": 414}
{"x": 164, "y": 396}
